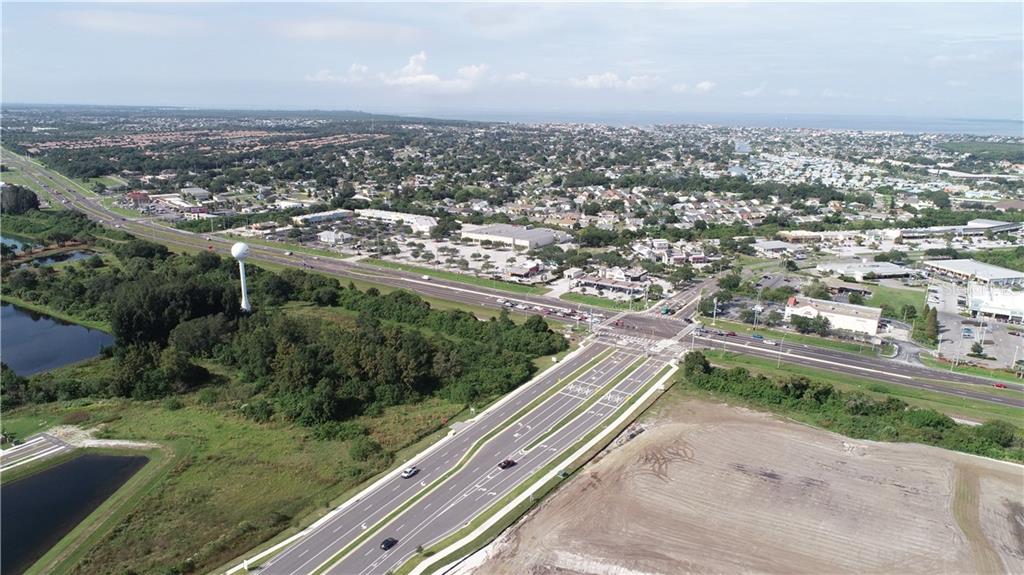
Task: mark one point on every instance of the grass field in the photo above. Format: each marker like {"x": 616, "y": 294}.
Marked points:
{"x": 600, "y": 302}
{"x": 234, "y": 483}
{"x": 1000, "y": 374}
{"x": 458, "y": 277}
{"x": 791, "y": 337}
{"x": 973, "y": 410}
{"x": 293, "y": 247}
{"x": 895, "y": 297}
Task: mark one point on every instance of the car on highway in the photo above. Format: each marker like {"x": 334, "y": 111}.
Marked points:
{"x": 730, "y": 334}
{"x": 388, "y": 543}
{"x": 757, "y": 336}
{"x": 502, "y": 300}
{"x": 506, "y": 464}
{"x": 426, "y": 278}
{"x": 999, "y": 385}
{"x": 410, "y": 471}
{"x": 769, "y": 342}
{"x": 288, "y": 253}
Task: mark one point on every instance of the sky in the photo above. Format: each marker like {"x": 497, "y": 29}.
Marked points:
{"x": 944, "y": 60}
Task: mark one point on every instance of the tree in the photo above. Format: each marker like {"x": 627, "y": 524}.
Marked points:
{"x": 695, "y": 364}
{"x": 817, "y": 290}
{"x": 909, "y": 312}
{"x": 931, "y": 326}
{"x": 977, "y": 349}
{"x": 856, "y": 298}
{"x": 16, "y": 200}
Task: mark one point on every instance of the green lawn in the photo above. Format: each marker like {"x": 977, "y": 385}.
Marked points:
{"x": 950, "y": 405}
{"x": 601, "y": 302}
{"x": 791, "y": 337}
{"x": 1000, "y": 374}
{"x": 895, "y": 297}
{"x": 458, "y": 277}
{"x": 234, "y": 483}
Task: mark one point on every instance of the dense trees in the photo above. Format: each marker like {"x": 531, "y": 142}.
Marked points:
{"x": 15, "y": 199}
{"x": 853, "y": 413}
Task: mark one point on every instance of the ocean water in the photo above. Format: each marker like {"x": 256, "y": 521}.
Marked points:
{"x": 908, "y": 125}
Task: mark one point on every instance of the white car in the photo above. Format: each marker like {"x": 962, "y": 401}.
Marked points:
{"x": 769, "y": 342}
{"x": 502, "y": 300}
{"x": 409, "y": 472}
{"x": 426, "y": 278}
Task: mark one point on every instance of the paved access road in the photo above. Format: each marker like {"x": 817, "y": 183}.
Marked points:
{"x": 478, "y": 483}
{"x": 35, "y": 448}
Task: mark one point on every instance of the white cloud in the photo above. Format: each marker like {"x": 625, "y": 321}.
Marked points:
{"x": 790, "y": 92}
{"x": 357, "y": 73}
{"x": 702, "y": 87}
{"x": 611, "y": 80}
{"x": 956, "y": 83}
{"x": 830, "y": 93}
{"x": 413, "y": 76}
{"x": 344, "y": 29}
{"x": 754, "y": 92}
{"x": 128, "y": 22}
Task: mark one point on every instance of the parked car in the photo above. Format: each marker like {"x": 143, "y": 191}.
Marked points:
{"x": 388, "y": 543}
{"x": 506, "y": 464}
{"x": 410, "y": 471}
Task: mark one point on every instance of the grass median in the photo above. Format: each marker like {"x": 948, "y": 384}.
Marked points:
{"x": 563, "y": 463}
{"x": 999, "y": 374}
{"x": 462, "y": 462}
{"x": 459, "y": 277}
{"x": 583, "y": 407}
{"x": 601, "y": 302}
{"x": 954, "y": 406}
{"x": 790, "y": 337}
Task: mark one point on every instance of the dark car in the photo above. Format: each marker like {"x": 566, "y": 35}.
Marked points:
{"x": 506, "y": 464}
{"x": 730, "y": 333}
{"x": 388, "y": 543}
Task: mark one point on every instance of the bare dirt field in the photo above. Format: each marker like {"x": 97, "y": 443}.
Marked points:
{"x": 710, "y": 488}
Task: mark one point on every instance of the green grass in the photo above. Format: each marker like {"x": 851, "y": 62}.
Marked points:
{"x": 583, "y": 407}
{"x": 292, "y": 247}
{"x": 15, "y": 177}
{"x": 234, "y": 483}
{"x": 46, "y": 310}
{"x": 895, "y": 297}
{"x": 459, "y": 277}
{"x": 601, "y": 302}
{"x": 562, "y": 462}
{"x": 462, "y": 462}
{"x": 953, "y": 406}
{"x": 791, "y": 337}
{"x": 1000, "y": 374}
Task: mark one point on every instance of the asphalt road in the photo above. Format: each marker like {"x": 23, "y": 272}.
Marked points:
{"x": 34, "y": 448}
{"x": 480, "y": 484}
{"x": 477, "y": 485}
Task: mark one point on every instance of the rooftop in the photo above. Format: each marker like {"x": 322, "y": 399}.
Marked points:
{"x": 977, "y": 269}
{"x": 512, "y": 231}
{"x": 826, "y": 306}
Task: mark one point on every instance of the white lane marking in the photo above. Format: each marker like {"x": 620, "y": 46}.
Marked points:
{"x": 35, "y": 457}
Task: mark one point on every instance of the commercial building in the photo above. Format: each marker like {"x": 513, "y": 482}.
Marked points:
{"x": 418, "y": 223}
{"x": 865, "y": 270}
{"x": 778, "y": 249}
{"x": 998, "y": 302}
{"x": 630, "y": 282}
{"x": 515, "y": 236}
{"x": 334, "y": 237}
{"x": 320, "y": 217}
{"x": 842, "y": 316}
{"x": 975, "y": 271}
{"x": 976, "y": 227}
{"x": 198, "y": 193}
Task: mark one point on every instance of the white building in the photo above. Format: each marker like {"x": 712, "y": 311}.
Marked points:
{"x": 515, "y": 236}
{"x": 320, "y": 217}
{"x": 778, "y": 249}
{"x": 1002, "y": 303}
{"x": 418, "y": 223}
{"x": 334, "y": 237}
{"x": 843, "y": 316}
{"x": 975, "y": 271}
{"x": 858, "y": 270}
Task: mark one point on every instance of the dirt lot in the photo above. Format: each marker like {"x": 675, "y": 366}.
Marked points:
{"x": 710, "y": 488}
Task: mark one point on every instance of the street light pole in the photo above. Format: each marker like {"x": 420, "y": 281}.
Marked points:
{"x": 779, "y": 363}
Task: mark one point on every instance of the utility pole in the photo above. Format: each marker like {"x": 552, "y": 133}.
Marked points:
{"x": 714, "y": 313}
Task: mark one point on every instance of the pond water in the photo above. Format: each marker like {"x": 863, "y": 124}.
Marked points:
{"x": 41, "y": 509}
{"x": 31, "y": 342}
{"x": 63, "y": 257}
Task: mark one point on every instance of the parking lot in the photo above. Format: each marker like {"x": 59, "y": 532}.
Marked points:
{"x": 959, "y": 333}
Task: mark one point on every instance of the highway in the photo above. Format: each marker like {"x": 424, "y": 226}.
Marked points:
{"x": 458, "y": 478}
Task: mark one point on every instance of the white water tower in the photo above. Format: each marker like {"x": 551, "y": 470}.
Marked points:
{"x": 240, "y": 251}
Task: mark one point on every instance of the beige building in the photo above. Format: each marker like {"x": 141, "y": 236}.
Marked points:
{"x": 843, "y": 316}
